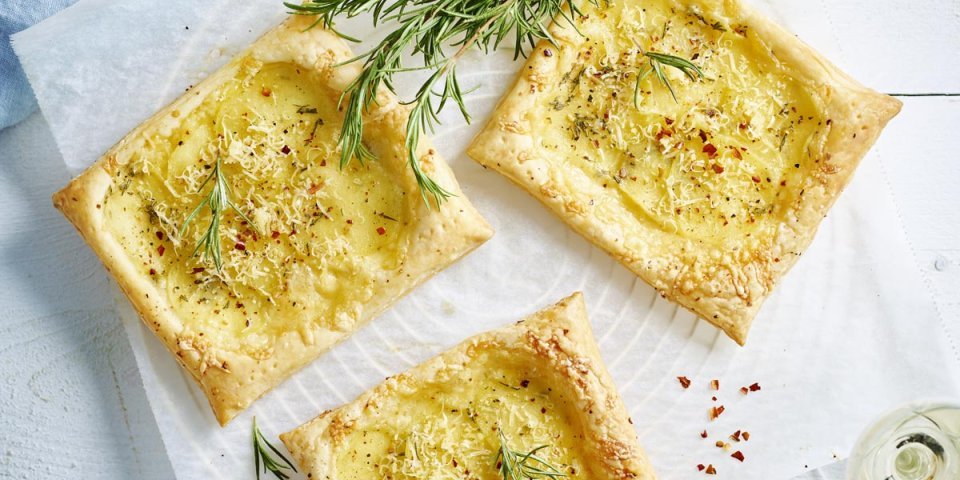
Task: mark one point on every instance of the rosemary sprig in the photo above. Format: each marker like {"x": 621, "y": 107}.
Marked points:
{"x": 656, "y": 62}
{"x": 514, "y": 465}
{"x": 426, "y": 27}
{"x": 261, "y": 455}
{"x": 218, "y": 201}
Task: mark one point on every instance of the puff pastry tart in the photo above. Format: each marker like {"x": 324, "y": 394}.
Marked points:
{"x": 540, "y": 382}
{"x": 711, "y": 197}
{"x": 311, "y": 251}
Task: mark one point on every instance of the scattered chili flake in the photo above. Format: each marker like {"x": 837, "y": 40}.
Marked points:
{"x": 153, "y": 271}
{"x": 703, "y": 434}
{"x": 738, "y": 455}
{"x": 736, "y": 436}
{"x": 265, "y": 92}
{"x": 703, "y": 136}
{"x": 736, "y": 153}
{"x": 715, "y": 384}
{"x": 717, "y": 168}
{"x": 159, "y": 235}
{"x": 314, "y": 188}
{"x": 744, "y": 390}
{"x": 746, "y": 436}
{"x": 285, "y": 150}
{"x": 548, "y": 53}
{"x": 240, "y": 246}
{"x": 525, "y": 383}
{"x": 754, "y": 387}
{"x": 684, "y": 382}
{"x": 716, "y": 412}
{"x": 720, "y": 444}
{"x": 668, "y": 120}
{"x": 274, "y": 234}
{"x": 160, "y": 250}
{"x": 381, "y": 230}
{"x": 713, "y": 398}
{"x": 755, "y": 179}
{"x": 710, "y": 150}
{"x": 711, "y": 470}
{"x": 198, "y": 269}
{"x": 700, "y": 467}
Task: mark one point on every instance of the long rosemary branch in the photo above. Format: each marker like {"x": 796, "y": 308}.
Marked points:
{"x": 426, "y": 27}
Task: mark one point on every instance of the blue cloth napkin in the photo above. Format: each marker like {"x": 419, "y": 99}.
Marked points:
{"x": 16, "y": 97}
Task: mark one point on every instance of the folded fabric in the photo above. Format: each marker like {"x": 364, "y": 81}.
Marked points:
{"x": 16, "y": 97}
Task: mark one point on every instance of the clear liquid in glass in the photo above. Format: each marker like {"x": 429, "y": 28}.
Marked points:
{"x": 920, "y": 441}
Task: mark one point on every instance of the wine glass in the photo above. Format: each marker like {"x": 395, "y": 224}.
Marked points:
{"x": 919, "y": 441}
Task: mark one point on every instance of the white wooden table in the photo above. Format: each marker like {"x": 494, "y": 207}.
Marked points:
{"x": 71, "y": 402}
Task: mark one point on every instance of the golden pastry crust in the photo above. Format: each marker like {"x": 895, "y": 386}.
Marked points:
{"x": 724, "y": 279}
{"x": 233, "y": 378}
{"x": 555, "y": 344}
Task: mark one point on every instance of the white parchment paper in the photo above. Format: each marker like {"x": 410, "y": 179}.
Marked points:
{"x": 850, "y": 332}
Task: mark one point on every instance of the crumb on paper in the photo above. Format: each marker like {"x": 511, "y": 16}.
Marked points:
{"x": 448, "y": 307}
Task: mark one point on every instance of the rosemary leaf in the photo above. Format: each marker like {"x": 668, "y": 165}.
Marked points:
{"x": 263, "y": 459}
{"x": 515, "y": 465}
{"x": 655, "y": 64}
{"x": 217, "y": 201}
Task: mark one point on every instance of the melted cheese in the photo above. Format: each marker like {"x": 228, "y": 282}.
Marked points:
{"x": 720, "y": 164}
{"x": 319, "y": 233}
{"x": 448, "y": 430}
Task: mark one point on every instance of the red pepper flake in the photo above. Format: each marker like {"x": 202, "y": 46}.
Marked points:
{"x": 381, "y": 230}
{"x": 744, "y": 390}
{"x": 547, "y": 53}
{"x": 755, "y": 179}
{"x": 240, "y": 246}
{"x": 713, "y": 398}
{"x": 684, "y": 382}
{"x": 198, "y": 269}
{"x": 703, "y": 434}
{"x": 668, "y": 120}
{"x": 715, "y": 384}
{"x": 159, "y": 235}
{"x": 703, "y": 136}
{"x": 153, "y": 271}
{"x": 711, "y": 470}
{"x": 720, "y": 444}
{"x": 746, "y": 436}
{"x": 736, "y": 436}
{"x": 160, "y": 250}
{"x": 349, "y": 221}
{"x": 700, "y": 467}
{"x": 285, "y": 150}
{"x": 717, "y": 169}
{"x": 743, "y": 126}
{"x": 274, "y": 234}
{"x": 710, "y": 150}
{"x": 314, "y": 188}
{"x": 736, "y": 153}
{"x": 265, "y": 92}
{"x": 715, "y": 412}
{"x": 755, "y": 387}
{"x": 738, "y": 455}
